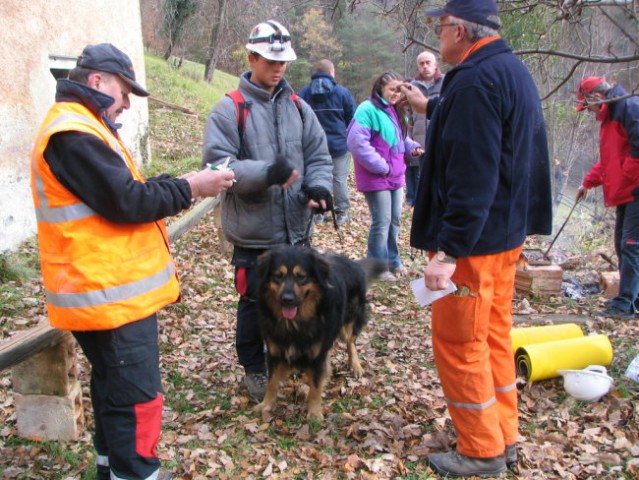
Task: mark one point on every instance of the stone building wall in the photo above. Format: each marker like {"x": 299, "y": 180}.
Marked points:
{"x": 37, "y": 37}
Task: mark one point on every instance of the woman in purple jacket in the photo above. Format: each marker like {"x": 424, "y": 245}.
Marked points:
{"x": 378, "y": 141}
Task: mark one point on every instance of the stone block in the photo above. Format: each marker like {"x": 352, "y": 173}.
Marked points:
{"x": 540, "y": 280}
{"x": 50, "y": 417}
{"x": 53, "y": 371}
{"x": 609, "y": 283}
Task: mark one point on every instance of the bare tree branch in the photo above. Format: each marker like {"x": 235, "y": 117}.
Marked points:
{"x": 582, "y": 58}
{"x": 562, "y": 83}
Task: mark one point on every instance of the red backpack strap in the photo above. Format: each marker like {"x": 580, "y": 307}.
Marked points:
{"x": 241, "y": 110}
{"x": 298, "y": 104}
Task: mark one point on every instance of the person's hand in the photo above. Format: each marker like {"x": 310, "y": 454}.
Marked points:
{"x": 281, "y": 172}
{"x": 416, "y": 99}
{"x": 208, "y": 182}
{"x": 188, "y": 175}
{"x": 320, "y": 199}
{"x": 437, "y": 274}
{"x": 417, "y": 152}
{"x": 581, "y": 194}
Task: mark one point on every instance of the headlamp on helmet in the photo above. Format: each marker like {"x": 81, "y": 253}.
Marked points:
{"x": 272, "y": 41}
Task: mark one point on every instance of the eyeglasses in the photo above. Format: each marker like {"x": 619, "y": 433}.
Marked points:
{"x": 438, "y": 28}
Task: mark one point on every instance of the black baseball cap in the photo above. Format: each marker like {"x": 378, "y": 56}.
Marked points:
{"x": 105, "y": 57}
{"x": 483, "y": 12}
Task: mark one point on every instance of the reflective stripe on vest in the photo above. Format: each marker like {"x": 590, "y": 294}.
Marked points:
{"x": 113, "y": 294}
{"x": 79, "y": 210}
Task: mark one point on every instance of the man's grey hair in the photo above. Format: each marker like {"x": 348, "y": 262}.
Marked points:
{"x": 81, "y": 74}
{"x": 603, "y": 87}
{"x": 474, "y": 31}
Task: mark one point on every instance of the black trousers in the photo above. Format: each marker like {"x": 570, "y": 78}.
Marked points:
{"x": 126, "y": 394}
{"x": 249, "y": 344}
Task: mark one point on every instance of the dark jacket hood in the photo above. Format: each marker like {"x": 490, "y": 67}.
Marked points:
{"x": 322, "y": 84}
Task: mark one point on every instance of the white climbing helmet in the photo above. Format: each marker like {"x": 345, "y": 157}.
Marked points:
{"x": 589, "y": 384}
{"x": 272, "y": 41}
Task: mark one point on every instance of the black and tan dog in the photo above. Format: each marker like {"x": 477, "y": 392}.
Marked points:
{"x": 307, "y": 300}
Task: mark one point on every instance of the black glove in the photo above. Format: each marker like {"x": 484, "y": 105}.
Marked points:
{"x": 317, "y": 194}
{"x": 280, "y": 171}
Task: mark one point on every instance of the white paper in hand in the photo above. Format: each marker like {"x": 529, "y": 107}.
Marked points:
{"x": 426, "y": 296}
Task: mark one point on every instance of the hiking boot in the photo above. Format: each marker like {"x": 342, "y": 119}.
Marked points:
{"x": 453, "y": 464}
{"x": 613, "y": 312}
{"x": 511, "y": 455}
{"x": 400, "y": 271}
{"x": 342, "y": 219}
{"x": 387, "y": 277}
{"x": 256, "y": 385}
{"x": 318, "y": 219}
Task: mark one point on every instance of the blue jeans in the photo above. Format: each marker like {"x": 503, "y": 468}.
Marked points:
{"x": 627, "y": 247}
{"x": 341, "y": 169}
{"x": 412, "y": 180}
{"x": 385, "y": 207}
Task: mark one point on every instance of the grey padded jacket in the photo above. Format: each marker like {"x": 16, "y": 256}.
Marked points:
{"x": 254, "y": 214}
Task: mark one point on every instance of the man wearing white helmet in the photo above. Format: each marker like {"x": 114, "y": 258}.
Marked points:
{"x": 283, "y": 171}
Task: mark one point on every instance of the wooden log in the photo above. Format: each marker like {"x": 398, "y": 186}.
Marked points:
{"x": 29, "y": 342}
{"x": 190, "y": 218}
{"x": 172, "y": 106}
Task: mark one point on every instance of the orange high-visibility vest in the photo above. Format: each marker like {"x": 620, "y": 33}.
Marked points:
{"x": 97, "y": 274}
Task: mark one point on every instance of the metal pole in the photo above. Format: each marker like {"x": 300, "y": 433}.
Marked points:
{"x": 560, "y": 229}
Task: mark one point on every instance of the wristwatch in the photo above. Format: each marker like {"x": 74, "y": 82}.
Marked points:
{"x": 441, "y": 256}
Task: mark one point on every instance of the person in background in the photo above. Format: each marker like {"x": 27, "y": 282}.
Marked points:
{"x": 378, "y": 139}
{"x": 283, "y": 171}
{"x": 617, "y": 172}
{"x": 429, "y": 81}
{"x": 104, "y": 251}
{"x": 485, "y": 186}
{"x": 334, "y": 106}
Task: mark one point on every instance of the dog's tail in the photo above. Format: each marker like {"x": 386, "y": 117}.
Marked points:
{"x": 373, "y": 268}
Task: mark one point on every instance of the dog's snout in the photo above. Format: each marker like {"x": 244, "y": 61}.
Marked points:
{"x": 288, "y": 299}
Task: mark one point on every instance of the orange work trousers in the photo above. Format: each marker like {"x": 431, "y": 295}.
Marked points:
{"x": 473, "y": 353}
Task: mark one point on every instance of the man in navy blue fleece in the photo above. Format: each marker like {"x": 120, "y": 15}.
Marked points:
{"x": 334, "y": 106}
{"x": 485, "y": 186}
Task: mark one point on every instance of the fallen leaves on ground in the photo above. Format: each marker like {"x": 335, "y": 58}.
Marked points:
{"x": 380, "y": 426}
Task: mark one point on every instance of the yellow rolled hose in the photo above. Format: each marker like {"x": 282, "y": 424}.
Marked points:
{"x": 540, "y": 361}
{"x": 546, "y": 333}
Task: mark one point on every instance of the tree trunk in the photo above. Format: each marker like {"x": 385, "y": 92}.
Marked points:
{"x": 216, "y": 37}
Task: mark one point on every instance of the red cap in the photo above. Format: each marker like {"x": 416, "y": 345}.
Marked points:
{"x": 586, "y": 86}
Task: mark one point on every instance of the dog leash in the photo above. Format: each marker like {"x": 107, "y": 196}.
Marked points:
{"x": 307, "y": 235}
{"x": 336, "y": 226}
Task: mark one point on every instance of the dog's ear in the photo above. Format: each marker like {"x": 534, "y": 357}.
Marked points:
{"x": 322, "y": 268}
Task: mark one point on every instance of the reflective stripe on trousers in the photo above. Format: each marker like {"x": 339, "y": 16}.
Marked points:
{"x": 473, "y": 353}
